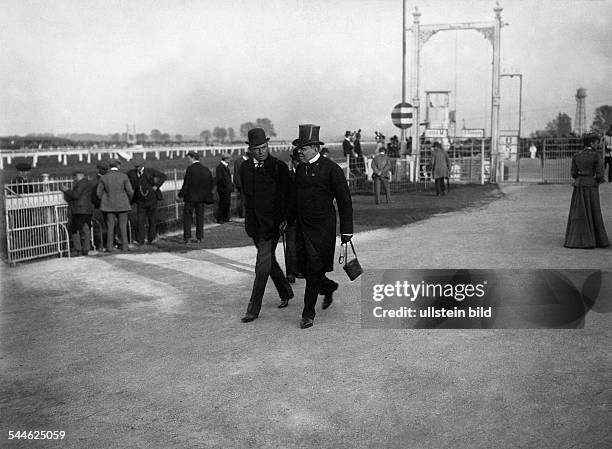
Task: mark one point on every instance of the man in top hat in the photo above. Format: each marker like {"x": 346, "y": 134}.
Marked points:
{"x": 268, "y": 193}
{"x": 319, "y": 181}
{"x": 146, "y": 182}
{"x": 115, "y": 192}
{"x": 225, "y": 187}
{"x": 196, "y": 191}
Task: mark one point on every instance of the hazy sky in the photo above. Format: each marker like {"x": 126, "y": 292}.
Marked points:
{"x": 183, "y": 66}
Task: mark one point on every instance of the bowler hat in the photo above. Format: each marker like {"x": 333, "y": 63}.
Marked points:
{"x": 23, "y": 166}
{"x": 257, "y": 137}
{"x": 193, "y": 154}
{"x": 138, "y": 160}
{"x": 114, "y": 163}
{"x": 309, "y": 135}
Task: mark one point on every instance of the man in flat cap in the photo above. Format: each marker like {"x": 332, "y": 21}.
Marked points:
{"x": 115, "y": 192}
{"x": 319, "y": 181}
{"x": 223, "y": 178}
{"x": 146, "y": 182}
{"x": 268, "y": 193}
{"x": 197, "y": 190}
{"x": 79, "y": 198}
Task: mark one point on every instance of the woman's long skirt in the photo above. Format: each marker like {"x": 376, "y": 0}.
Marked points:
{"x": 585, "y": 225}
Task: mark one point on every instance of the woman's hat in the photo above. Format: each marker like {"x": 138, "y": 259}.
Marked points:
{"x": 309, "y": 135}
{"x": 257, "y": 137}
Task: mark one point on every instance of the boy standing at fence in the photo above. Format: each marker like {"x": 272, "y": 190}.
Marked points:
{"x": 81, "y": 210}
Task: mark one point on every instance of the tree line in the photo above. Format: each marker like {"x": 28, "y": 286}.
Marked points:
{"x": 561, "y": 126}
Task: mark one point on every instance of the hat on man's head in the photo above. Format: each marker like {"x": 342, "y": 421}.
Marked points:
{"x": 102, "y": 166}
{"x": 114, "y": 163}
{"x": 589, "y": 138}
{"x": 257, "y": 137}
{"x": 309, "y": 135}
{"x": 193, "y": 154}
{"x": 226, "y": 156}
{"x": 138, "y": 160}
{"x": 23, "y": 166}
{"x": 347, "y": 134}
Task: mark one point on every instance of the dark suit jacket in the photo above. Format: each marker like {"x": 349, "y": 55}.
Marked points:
{"x": 198, "y": 185}
{"x": 237, "y": 178}
{"x": 316, "y": 214}
{"x": 143, "y": 185}
{"x": 268, "y": 191}
{"x": 80, "y": 197}
{"x": 347, "y": 147}
{"x": 224, "y": 179}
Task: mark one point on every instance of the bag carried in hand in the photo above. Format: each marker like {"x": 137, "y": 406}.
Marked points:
{"x": 351, "y": 267}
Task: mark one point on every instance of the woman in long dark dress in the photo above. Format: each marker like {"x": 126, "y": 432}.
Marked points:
{"x": 585, "y": 225}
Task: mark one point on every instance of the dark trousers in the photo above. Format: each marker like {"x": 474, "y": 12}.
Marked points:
{"x": 188, "y": 211}
{"x": 291, "y": 261}
{"x": 386, "y": 184}
{"x": 146, "y": 215}
{"x": 440, "y": 187}
{"x": 608, "y": 162}
{"x": 223, "y": 212}
{"x": 267, "y": 266}
{"x": 111, "y": 218}
{"x": 81, "y": 232}
{"x": 316, "y": 284}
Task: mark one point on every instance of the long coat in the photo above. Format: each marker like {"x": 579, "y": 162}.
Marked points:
{"x": 268, "y": 193}
{"x": 115, "y": 192}
{"x": 440, "y": 163}
{"x": 142, "y": 186}
{"x": 316, "y": 188}
{"x": 585, "y": 224}
{"x": 80, "y": 197}
{"x": 198, "y": 185}
{"x": 224, "y": 179}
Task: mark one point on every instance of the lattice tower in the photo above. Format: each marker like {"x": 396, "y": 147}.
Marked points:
{"x": 580, "y": 125}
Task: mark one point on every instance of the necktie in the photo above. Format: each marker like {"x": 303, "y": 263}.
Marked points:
{"x": 259, "y": 165}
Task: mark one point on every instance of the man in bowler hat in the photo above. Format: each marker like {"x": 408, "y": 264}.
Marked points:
{"x": 268, "y": 193}
{"x": 319, "y": 181}
{"x": 197, "y": 190}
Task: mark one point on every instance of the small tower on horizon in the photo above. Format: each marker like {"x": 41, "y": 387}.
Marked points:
{"x": 580, "y": 125}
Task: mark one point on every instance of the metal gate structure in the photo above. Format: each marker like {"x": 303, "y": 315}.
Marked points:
{"x": 36, "y": 216}
{"x": 552, "y": 163}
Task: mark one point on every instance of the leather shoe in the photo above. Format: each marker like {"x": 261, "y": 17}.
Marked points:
{"x": 248, "y": 318}
{"x": 306, "y": 323}
{"x": 329, "y": 298}
{"x": 284, "y": 303}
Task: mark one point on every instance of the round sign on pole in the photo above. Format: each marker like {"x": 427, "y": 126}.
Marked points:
{"x": 401, "y": 116}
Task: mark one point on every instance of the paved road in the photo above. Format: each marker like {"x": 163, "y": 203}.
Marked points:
{"x": 147, "y": 350}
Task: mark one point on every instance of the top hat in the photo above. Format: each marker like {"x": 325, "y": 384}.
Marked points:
{"x": 347, "y": 134}
{"x": 257, "y": 137}
{"x": 23, "y": 166}
{"x": 193, "y": 154}
{"x": 309, "y": 135}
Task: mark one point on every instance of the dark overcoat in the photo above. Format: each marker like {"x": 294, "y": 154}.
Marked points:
{"x": 440, "y": 163}
{"x": 268, "y": 193}
{"x": 198, "y": 185}
{"x": 317, "y": 185}
{"x": 223, "y": 177}
{"x": 80, "y": 197}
